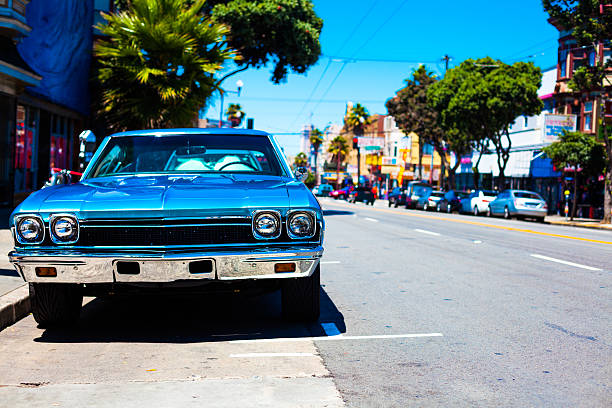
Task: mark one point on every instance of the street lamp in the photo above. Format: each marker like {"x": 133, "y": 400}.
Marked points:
{"x": 239, "y": 85}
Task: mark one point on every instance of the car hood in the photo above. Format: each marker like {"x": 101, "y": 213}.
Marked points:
{"x": 167, "y": 196}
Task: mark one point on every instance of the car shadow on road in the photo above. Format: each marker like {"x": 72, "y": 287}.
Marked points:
{"x": 164, "y": 319}
{"x": 337, "y": 212}
{"x": 9, "y": 272}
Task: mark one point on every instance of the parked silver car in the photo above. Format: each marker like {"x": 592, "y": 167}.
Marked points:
{"x": 518, "y": 203}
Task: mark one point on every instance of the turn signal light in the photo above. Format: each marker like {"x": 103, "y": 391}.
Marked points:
{"x": 284, "y": 267}
{"x": 47, "y": 272}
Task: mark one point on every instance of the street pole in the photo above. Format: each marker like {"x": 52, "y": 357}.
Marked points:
{"x": 221, "y": 110}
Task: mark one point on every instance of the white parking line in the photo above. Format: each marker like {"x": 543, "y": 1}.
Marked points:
{"x": 338, "y": 338}
{"x": 370, "y": 219}
{"x": 547, "y": 258}
{"x": 330, "y": 262}
{"x": 427, "y": 232}
{"x": 477, "y": 241}
{"x": 256, "y": 355}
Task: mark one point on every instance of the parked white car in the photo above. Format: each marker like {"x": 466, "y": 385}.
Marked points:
{"x": 478, "y": 201}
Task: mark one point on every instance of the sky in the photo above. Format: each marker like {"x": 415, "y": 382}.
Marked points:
{"x": 369, "y": 47}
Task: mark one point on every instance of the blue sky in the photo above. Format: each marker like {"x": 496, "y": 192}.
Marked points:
{"x": 384, "y": 31}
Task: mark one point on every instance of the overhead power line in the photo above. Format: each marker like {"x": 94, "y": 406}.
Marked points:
{"x": 330, "y": 61}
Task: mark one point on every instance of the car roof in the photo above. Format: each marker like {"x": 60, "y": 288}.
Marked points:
{"x": 192, "y": 131}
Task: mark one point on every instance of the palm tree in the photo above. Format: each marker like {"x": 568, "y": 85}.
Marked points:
{"x": 235, "y": 114}
{"x": 339, "y": 148}
{"x": 355, "y": 121}
{"x": 316, "y": 139}
{"x": 300, "y": 160}
{"x": 157, "y": 63}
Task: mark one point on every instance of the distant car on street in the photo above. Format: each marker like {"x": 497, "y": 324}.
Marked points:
{"x": 342, "y": 193}
{"x": 451, "y": 201}
{"x": 478, "y": 201}
{"x": 429, "y": 201}
{"x": 415, "y": 190}
{"x": 362, "y": 194}
{"x": 322, "y": 190}
{"x": 518, "y": 203}
{"x": 397, "y": 197}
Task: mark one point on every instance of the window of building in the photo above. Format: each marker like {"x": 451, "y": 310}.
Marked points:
{"x": 592, "y": 55}
{"x": 578, "y": 59}
{"x": 588, "y": 115}
{"x": 607, "y": 51}
{"x": 562, "y": 63}
{"x": 428, "y": 149}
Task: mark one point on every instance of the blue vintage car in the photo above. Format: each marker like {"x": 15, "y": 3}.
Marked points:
{"x": 195, "y": 208}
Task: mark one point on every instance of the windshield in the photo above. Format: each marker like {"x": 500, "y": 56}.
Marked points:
{"x": 522, "y": 194}
{"x": 187, "y": 154}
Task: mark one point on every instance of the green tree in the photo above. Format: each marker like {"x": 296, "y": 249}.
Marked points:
{"x": 577, "y": 150}
{"x": 339, "y": 148}
{"x": 315, "y": 139}
{"x": 482, "y": 98}
{"x": 300, "y": 160}
{"x": 590, "y": 22}
{"x": 157, "y": 64}
{"x": 355, "y": 122}
{"x": 282, "y": 32}
{"x": 413, "y": 113}
{"x": 235, "y": 114}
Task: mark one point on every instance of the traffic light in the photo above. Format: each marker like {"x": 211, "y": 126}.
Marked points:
{"x": 355, "y": 142}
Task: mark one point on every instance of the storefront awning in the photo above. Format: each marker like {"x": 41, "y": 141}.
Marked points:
{"x": 519, "y": 164}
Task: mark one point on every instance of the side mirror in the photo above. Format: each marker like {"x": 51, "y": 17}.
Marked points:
{"x": 301, "y": 173}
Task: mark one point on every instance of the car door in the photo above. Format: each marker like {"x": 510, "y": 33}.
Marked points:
{"x": 497, "y": 204}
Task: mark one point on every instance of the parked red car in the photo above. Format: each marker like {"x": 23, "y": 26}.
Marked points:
{"x": 341, "y": 194}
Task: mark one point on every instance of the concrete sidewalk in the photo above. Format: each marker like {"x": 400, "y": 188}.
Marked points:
{"x": 14, "y": 296}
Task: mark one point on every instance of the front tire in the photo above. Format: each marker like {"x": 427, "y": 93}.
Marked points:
{"x": 426, "y": 207}
{"x": 476, "y": 212}
{"x": 300, "y": 297}
{"x": 55, "y": 304}
{"x": 489, "y": 213}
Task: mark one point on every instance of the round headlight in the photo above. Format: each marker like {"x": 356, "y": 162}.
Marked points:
{"x": 301, "y": 225}
{"x": 64, "y": 229}
{"x": 267, "y": 225}
{"x": 30, "y": 230}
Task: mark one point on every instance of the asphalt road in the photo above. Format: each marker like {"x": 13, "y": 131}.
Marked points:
{"x": 418, "y": 309}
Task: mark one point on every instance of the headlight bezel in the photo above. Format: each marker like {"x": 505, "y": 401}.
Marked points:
{"x": 279, "y": 225}
{"x": 54, "y": 219}
{"x": 19, "y": 219}
{"x": 313, "y": 219}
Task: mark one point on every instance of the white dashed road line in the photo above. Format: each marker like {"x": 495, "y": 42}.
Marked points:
{"x": 338, "y": 338}
{"x": 547, "y": 258}
{"x": 370, "y": 219}
{"x": 427, "y": 232}
{"x": 256, "y": 355}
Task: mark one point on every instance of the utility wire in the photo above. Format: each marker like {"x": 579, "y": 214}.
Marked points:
{"x": 380, "y": 27}
{"x": 359, "y": 49}
{"x": 330, "y": 60}
{"x": 330, "y": 86}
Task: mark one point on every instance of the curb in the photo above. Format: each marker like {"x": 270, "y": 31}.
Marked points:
{"x": 571, "y": 224}
{"x": 14, "y": 306}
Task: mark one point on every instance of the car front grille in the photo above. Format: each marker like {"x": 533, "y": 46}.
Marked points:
{"x": 166, "y": 236}
{"x": 168, "y": 233}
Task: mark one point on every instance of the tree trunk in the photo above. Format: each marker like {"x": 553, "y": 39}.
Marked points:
{"x": 337, "y": 171}
{"x": 607, "y": 216}
{"x": 575, "y": 200}
{"x": 452, "y": 175}
{"x": 420, "y": 159}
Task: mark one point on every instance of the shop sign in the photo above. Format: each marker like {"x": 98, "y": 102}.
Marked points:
{"x": 370, "y": 143}
{"x": 555, "y": 124}
{"x": 389, "y": 161}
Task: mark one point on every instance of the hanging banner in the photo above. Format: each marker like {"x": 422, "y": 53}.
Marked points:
{"x": 554, "y": 125}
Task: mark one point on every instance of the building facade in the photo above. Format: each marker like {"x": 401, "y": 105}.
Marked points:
{"x": 44, "y": 89}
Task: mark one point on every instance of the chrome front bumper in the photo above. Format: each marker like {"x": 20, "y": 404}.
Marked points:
{"x": 82, "y": 267}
